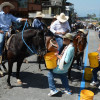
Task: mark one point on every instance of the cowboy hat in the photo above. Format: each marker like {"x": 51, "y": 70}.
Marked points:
{"x": 39, "y": 14}
{"x": 7, "y": 4}
{"x": 62, "y": 18}
{"x": 68, "y": 36}
{"x": 55, "y": 17}
{"x": 83, "y": 31}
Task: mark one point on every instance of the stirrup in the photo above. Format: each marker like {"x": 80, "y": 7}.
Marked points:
{"x": 53, "y": 43}
{"x": 0, "y": 59}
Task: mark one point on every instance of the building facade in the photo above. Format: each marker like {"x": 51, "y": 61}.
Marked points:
{"x": 69, "y": 11}
{"x": 23, "y": 7}
{"x": 52, "y": 7}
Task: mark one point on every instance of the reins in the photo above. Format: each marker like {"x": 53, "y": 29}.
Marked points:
{"x": 32, "y": 51}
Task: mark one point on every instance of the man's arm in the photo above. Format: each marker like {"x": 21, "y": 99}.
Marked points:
{"x": 15, "y": 19}
{"x": 68, "y": 27}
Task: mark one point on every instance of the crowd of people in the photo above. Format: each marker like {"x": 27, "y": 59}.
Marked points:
{"x": 62, "y": 32}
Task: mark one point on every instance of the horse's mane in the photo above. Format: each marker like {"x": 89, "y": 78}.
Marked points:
{"x": 29, "y": 29}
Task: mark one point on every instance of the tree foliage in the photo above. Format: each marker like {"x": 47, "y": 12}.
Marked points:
{"x": 91, "y": 15}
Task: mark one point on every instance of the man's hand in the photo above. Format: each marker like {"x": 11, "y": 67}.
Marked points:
{"x": 58, "y": 32}
{"x": 63, "y": 33}
{"x": 24, "y": 19}
{"x": 98, "y": 57}
{"x": 58, "y": 56}
{"x": 99, "y": 49}
{"x": 1, "y": 31}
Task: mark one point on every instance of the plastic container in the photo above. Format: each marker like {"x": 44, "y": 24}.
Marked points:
{"x": 88, "y": 74}
{"x": 93, "y": 59}
{"x": 50, "y": 60}
{"x": 86, "y": 95}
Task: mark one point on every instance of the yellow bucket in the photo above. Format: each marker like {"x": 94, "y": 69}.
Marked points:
{"x": 86, "y": 95}
{"x": 88, "y": 74}
{"x": 93, "y": 59}
{"x": 50, "y": 60}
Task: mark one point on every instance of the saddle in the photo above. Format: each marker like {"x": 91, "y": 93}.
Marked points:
{"x": 51, "y": 44}
{"x": 7, "y": 41}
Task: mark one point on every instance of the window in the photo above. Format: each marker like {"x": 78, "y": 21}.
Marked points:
{"x": 30, "y": 1}
{"x": 37, "y": 1}
{"x": 23, "y": 3}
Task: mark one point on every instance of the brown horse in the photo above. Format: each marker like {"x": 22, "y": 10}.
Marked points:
{"x": 79, "y": 44}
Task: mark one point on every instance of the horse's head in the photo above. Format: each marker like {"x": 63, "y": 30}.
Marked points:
{"x": 39, "y": 42}
{"x": 82, "y": 42}
{"x": 79, "y": 42}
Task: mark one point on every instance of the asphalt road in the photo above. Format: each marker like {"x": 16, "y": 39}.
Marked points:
{"x": 35, "y": 83}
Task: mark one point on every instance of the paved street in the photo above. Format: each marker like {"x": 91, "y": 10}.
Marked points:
{"x": 35, "y": 83}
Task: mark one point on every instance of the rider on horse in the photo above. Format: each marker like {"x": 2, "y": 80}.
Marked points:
{"x": 59, "y": 28}
{"x": 37, "y": 23}
{"x": 6, "y": 20}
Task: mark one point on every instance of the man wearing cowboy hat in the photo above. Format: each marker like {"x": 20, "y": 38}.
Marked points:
{"x": 59, "y": 28}
{"x": 6, "y": 20}
{"x": 37, "y": 21}
{"x": 64, "y": 61}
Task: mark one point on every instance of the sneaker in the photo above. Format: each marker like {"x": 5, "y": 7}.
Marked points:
{"x": 94, "y": 83}
{"x": 53, "y": 92}
{"x": 67, "y": 92}
{"x": 99, "y": 87}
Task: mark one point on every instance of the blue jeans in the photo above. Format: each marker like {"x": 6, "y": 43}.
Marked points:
{"x": 63, "y": 78}
{"x": 94, "y": 71}
{"x": 1, "y": 42}
{"x": 60, "y": 43}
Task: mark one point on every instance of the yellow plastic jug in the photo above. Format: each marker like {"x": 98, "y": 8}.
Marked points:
{"x": 50, "y": 60}
{"x": 88, "y": 74}
{"x": 93, "y": 59}
{"x": 86, "y": 95}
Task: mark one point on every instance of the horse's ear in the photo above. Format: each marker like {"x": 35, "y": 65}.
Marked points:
{"x": 85, "y": 35}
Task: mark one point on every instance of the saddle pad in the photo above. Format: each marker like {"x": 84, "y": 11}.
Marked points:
{"x": 8, "y": 41}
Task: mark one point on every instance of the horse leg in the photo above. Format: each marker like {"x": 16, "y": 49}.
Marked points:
{"x": 1, "y": 73}
{"x": 39, "y": 58}
{"x": 5, "y": 69}
{"x": 81, "y": 59}
{"x": 69, "y": 71}
{"x": 80, "y": 62}
{"x": 19, "y": 63}
{"x": 10, "y": 65}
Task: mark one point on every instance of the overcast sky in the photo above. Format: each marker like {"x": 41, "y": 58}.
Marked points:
{"x": 84, "y": 7}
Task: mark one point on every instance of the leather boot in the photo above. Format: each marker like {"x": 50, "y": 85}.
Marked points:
{"x": 0, "y": 59}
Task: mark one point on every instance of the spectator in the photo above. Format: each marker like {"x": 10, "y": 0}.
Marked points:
{"x": 64, "y": 61}
{"x": 95, "y": 70}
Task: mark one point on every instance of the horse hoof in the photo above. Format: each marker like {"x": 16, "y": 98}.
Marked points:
{"x": 6, "y": 71}
{"x": 39, "y": 70}
{"x": 1, "y": 73}
{"x": 25, "y": 61}
{"x": 9, "y": 86}
{"x": 19, "y": 82}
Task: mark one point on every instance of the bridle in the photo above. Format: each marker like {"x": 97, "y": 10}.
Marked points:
{"x": 80, "y": 42}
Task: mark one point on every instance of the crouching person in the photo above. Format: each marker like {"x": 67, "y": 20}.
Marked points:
{"x": 64, "y": 62}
